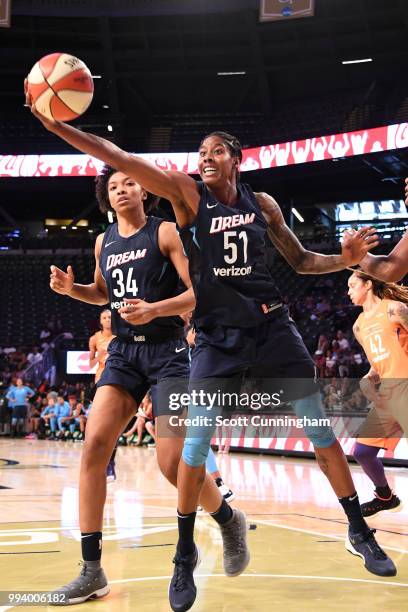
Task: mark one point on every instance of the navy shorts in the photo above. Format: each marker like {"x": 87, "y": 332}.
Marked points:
{"x": 273, "y": 350}
{"x": 138, "y": 366}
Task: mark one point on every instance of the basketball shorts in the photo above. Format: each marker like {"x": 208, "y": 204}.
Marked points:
{"x": 139, "y": 366}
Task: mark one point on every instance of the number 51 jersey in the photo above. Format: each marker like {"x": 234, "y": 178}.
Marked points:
{"x": 135, "y": 268}
{"x": 226, "y": 250}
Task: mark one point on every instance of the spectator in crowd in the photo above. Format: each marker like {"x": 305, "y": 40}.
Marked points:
{"x": 34, "y": 356}
{"x": 342, "y": 341}
{"x": 322, "y": 344}
{"x": 49, "y": 416}
{"x": 79, "y": 420}
{"x": 63, "y": 411}
{"x": 19, "y": 395}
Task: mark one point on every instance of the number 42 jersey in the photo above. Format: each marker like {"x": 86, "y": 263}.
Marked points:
{"x": 135, "y": 268}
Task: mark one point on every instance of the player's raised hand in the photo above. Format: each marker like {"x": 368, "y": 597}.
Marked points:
{"x": 49, "y": 124}
{"x": 137, "y": 312}
{"x": 356, "y": 244}
{"x": 62, "y": 282}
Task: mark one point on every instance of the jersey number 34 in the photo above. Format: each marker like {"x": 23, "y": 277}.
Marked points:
{"x": 124, "y": 287}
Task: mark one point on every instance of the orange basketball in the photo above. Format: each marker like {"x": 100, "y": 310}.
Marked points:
{"x": 61, "y": 86}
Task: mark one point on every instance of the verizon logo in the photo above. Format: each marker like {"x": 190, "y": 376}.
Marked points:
{"x": 233, "y": 271}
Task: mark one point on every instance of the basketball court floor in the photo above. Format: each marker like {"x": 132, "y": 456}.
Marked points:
{"x": 296, "y": 534}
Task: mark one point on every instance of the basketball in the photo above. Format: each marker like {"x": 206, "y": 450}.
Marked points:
{"x": 61, "y": 86}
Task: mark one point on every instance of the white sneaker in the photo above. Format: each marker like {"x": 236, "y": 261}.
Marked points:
{"x": 226, "y": 492}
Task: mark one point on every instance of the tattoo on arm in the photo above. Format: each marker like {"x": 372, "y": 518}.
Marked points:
{"x": 402, "y": 312}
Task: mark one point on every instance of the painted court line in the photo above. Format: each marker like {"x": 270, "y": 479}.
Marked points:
{"x": 319, "y": 533}
{"x": 280, "y": 576}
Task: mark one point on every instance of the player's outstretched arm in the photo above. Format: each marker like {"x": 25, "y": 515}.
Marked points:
{"x": 177, "y": 187}
{"x": 64, "y": 282}
{"x": 139, "y": 312}
{"x": 355, "y": 245}
{"x": 389, "y": 268}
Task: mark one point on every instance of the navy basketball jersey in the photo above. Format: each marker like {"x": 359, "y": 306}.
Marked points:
{"x": 134, "y": 267}
{"x": 226, "y": 250}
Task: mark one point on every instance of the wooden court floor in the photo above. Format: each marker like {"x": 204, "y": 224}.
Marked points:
{"x": 297, "y": 538}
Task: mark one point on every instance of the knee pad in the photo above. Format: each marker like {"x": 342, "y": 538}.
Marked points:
{"x": 195, "y": 451}
{"x": 310, "y": 408}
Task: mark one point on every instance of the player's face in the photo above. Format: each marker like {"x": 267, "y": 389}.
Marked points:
{"x": 215, "y": 163}
{"x": 124, "y": 193}
{"x": 358, "y": 290}
{"x": 105, "y": 319}
{"x": 19, "y": 382}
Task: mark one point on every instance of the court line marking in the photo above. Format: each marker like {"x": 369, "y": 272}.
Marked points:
{"x": 319, "y": 533}
{"x": 287, "y": 576}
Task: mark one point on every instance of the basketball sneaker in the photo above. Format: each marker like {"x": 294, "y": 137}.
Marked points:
{"x": 378, "y": 504}
{"x": 90, "y": 584}
{"x": 182, "y": 589}
{"x": 234, "y": 537}
{"x": 225, "y": 491}
{"x": 364, "y": 545}
{"x": 110, "y": 472}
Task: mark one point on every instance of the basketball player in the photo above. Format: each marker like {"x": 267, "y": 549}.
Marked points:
{"x": 98, "y": 354}
{"x": 240, "y": 320}
{"x": 382, "y": 331}
{"x": 136, "y": 256}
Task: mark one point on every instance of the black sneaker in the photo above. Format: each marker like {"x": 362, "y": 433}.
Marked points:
{"x": 378, "y": 504}
{"x": 364, "y": 545}
{"x": 182, "y": 590}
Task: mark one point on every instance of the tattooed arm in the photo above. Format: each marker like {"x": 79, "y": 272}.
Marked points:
{"x": 355, "y": 246}
{"x": 398, "y": 314}
{"x": 392, "y": 267}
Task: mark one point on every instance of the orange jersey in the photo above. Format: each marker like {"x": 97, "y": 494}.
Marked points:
{"x": 384, "y": 342}
{"x": 101, "y": 343}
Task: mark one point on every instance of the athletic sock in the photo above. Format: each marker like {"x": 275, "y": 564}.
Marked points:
{"x": 351, "y": 507}
{"x": 91, "y": 545}
{"x": 185, "y": 545}
{"x": 383, "y": 493}
{"x": 223, "y": 514}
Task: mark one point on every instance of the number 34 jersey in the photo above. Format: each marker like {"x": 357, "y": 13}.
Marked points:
{"x": 384, "y": 342}
{"x": 226, "y": 250}
{"x": 135, "y": 268}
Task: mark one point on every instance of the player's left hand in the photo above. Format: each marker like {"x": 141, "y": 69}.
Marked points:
{"x": 356, "y": 244}
{"x": 137, "y": 312}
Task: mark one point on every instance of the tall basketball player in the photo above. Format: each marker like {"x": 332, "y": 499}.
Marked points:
{"x": 382, "y": 330}
{"x": 241, "y": 322}
{"x": 98, "y": 354}
{"x": 142, "y": 256}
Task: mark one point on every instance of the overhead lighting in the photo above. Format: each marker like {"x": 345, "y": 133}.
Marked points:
{"x": 63, "y": 227}
{"x": 105, "y": 106}
{"x": 358, "y": 61}
{"x": 298, "y": 215}
{"x": 74, "y": 227}
{"x": 96, "y": 76}
{"x": 231, "y": 73}
{"x": 110, "y": 128}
